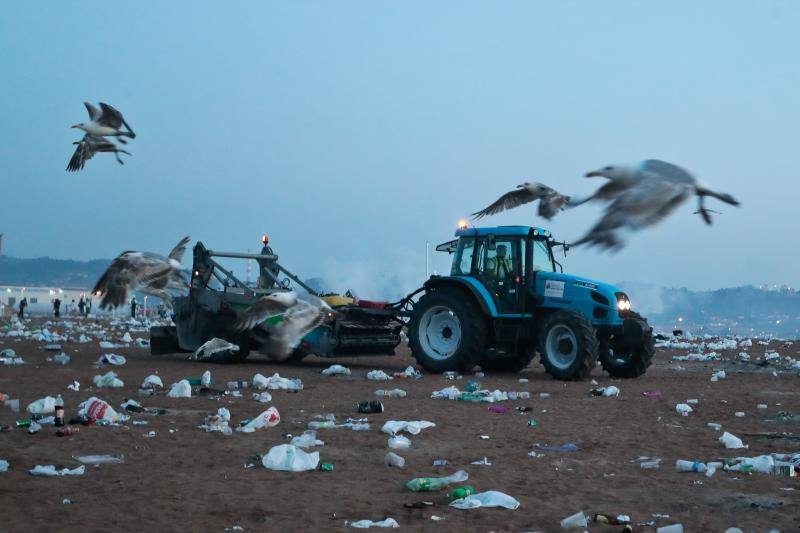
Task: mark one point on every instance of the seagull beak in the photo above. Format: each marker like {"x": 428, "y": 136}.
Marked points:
{"x": 74, "y": 126}
{"x": 593, "y": 174}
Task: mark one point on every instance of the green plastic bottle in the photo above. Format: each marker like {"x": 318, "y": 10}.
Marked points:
{"x": 461, "y": 492}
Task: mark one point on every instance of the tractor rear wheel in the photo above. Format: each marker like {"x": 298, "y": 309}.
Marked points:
{"x": 447, "y": 331}
{"x": 568, "y": 346}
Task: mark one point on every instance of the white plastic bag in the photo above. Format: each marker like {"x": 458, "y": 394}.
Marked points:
{"x": 151, "y": 382}
{"x": 218, "y": 422}
{"x": 181, "y": 389}
{"x": 4, "y": 465}
{"x": 392, "y": 459}
{"x": 109, "y": 379}
{"x": 276, "y": 382}
{"x": 290, "y": 458}
{"x": 399, "y": 442}
{"x": 127, "y": 338}
{"x": 214, "y": 346}
{"x": 205, "y": 379}
{"x": 684, "y": 409}
{"x": 392, "y": 427}
{"x": 364, "y": 524}
{"x": 267, "y": 419}
{"x": 42, "y": 406}
{"x": 307, "y": 439}
{"x": 263, "y": 397}
{"x": 732, "y": 442}
{"x": 97, "y": 409}
{"x": 336, "y": 370}
{"x": 491, "y": 498}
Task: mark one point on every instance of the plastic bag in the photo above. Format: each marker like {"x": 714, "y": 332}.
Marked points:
{"x": 267, "y": 419}
{"x": 97, "y": 409}
{"x": 214, "y": 346}
{"x": 732, "y": 442}
{"x": 150, "y": 382}
{"x": 50, "y": 470}
{"x": 364, "y": 524}
{"x": 276, "y": 382}
{"x": 336, "y": 370}
{"x": 378, "y": 375}
{"x": 4, "y": 465}
{"x": 112, "y": 359}
{"x": 181, "y": 389}
{"x": 263, "y": 397}
{"x": 399, "y": 442}
{"x": 218, "y": 422}
{"x": 100, "y": 459}
{"x": 307, "y": 439}
{"x": 127, "y": 338}
{"x": 393, "y": 427}
{"x": 392, "y": 459}
{"x": 42, "y": 406}
{"x": 491, "y": 498}
{"x": 290, "y": 458}
{"x": 108, "y": 379}
{"x": 205, "y": 379}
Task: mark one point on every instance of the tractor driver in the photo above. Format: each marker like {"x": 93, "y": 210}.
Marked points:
{"x": 502, "y": 264}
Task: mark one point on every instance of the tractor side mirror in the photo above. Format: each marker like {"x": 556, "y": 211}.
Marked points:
{"x": 490, "y": 242}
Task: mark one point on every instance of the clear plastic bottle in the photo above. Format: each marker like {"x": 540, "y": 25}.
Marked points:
{"x": 689, "y": 466}
{"x": 394, "y": 393}
{"x": 327, "y": 424}
{"x": 233, "y": 385}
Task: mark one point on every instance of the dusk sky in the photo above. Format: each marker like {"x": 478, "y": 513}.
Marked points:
{"x": 354, "y": 132}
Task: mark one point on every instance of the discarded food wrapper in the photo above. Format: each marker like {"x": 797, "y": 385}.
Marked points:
{"x": 491, "y": 498}
{"x": 97, "y": 409}
{"x": 218, "y": 422}
{"x": 75, "y": 386}
{"x": 181, "y": 389}
{"x": 50, "y": 470}
{"x": 215, "y": 346}
{"x": 109, "y": 379}
{"x": 652, "y": 394}
{"x": 290, "y": 458}
{"x": 112, "y": 359}
{"x": 267, "y": 419}
{"x": 336, "y": 370}
{"x": 399, "y": 442}
{"x": 578, "y": 520}
{"x": 365, "y": 524}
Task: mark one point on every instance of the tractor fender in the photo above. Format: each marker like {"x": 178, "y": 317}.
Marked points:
{"x": 469, "y": 289}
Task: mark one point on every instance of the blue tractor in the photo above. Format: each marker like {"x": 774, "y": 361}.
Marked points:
{"x": 507, "y": 298}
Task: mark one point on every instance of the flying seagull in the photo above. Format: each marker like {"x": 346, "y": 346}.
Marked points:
{"x": 300, "y": 315}
{"x": 550, "y": 200}
{"x": 105, "y": 122}
{"x": 90, "y": 145}
{"x": 141, "y": 271}
{"x": 642, "y": 196}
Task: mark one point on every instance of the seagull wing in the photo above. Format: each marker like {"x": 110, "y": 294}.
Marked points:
{"x": 509, "y": 200}
{"x": 264, "y": 308}
{"x": 668, "y": 171}
{"x": 78, "y": 159}
{"x": 94, "y": 113}
{"x": 130, "y": 272}
{"x": 298, "y": 321}
{"x": 113, "y": 118}
{"x": 179, "y": 249}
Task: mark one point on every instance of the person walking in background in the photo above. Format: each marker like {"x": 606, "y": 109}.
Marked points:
{"x": 88, "y": 307}
{"x": 134, "y": 303}
{"x": 81, "y": 306}
{"x": 56, "y": 308}
{"x": 22, "y": 305}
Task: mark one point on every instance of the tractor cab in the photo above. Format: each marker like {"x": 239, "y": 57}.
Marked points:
{"x": 507, "y": 298}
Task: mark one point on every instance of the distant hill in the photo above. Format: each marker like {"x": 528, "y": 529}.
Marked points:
{"x": 744, "y": 310}
{"x": 48, "y": 272}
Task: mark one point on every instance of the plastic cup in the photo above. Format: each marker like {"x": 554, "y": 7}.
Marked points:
{"x": 578, "y": 520}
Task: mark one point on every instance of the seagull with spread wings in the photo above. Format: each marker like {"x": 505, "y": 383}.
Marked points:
{"x": 641, "y": 196}
{"x": 141, "y": 271}
{"x": 550, "y": 200}
{"x": 105, "y": 122}
{"x": 299, "y": 316}
{"x": 90, "y": 145}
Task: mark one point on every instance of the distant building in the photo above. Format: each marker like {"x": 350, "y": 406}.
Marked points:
{"x": 40, "y": 299}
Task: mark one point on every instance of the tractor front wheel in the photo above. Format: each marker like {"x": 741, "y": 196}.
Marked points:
{"x": 630, "y": 359}
{"x": 447, "y": 331}
{"x": 568, "y": 346}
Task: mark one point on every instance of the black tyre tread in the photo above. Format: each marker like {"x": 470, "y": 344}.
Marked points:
{"x": 587, "y": 343}
{"x": 636, "y": 365}
{"x": 473, "y": 328}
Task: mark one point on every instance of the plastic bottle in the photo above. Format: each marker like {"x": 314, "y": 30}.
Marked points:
{"x": 392, "y": 459}
{"x": 59, "y": 421}
{"x": 428, "y": 484}
{"x": 689, "y": 466}
{"x": 461, "y": 492}
{"x": 327, "y": 424}
{"x": 233, "y": 385}
{"x": 524, "y": 395}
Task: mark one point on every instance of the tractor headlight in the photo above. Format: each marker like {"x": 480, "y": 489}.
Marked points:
{"x": 623, "y": 303}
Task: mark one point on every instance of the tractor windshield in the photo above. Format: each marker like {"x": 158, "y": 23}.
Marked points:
{"x": 542, "y": 258}
{"x": 462, "y": 259}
